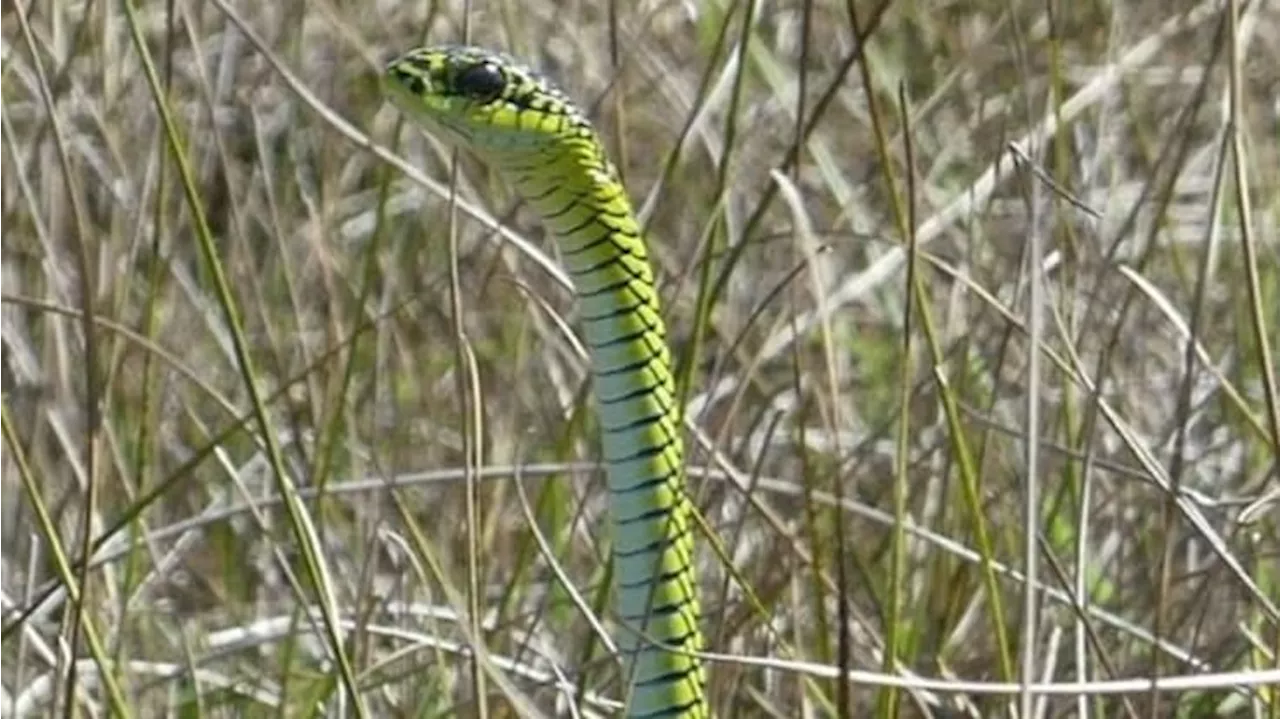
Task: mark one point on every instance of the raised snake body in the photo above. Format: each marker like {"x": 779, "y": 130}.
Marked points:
{"x": 518, "y": 122}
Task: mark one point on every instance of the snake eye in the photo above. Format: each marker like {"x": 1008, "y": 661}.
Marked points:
{"x": 483, "y": 83}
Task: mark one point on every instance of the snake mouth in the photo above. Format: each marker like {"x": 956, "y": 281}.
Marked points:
{"x": 455, "y": 131}
{"x": 402, "y": 95}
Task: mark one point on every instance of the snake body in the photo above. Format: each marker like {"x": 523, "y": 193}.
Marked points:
{"x": 518, "y": 122}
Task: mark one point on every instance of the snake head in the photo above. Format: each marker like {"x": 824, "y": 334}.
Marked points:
{"x": 482, "y": 100}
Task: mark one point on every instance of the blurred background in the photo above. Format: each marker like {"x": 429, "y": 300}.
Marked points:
{"x": 324, "y": 430}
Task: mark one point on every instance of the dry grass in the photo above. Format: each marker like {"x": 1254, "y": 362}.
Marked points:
{"x": 273, "y": 318}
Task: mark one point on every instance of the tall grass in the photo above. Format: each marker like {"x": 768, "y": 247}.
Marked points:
{"x": 976, "y": 306}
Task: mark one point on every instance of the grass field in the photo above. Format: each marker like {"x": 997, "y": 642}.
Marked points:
{"x": 977, "y": 309}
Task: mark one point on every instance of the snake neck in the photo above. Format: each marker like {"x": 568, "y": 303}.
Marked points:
{"x": 580, "y": 199}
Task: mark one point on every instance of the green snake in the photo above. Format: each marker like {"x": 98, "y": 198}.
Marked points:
{"x": 522, "y": 125}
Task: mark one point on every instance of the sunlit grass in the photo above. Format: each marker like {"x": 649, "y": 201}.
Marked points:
{"x": 214, "y": 250}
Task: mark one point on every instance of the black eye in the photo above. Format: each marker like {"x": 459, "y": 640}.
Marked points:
{"x": 482, "y": 83}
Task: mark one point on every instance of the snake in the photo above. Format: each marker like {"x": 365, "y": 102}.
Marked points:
{"x": 525, "y": 127}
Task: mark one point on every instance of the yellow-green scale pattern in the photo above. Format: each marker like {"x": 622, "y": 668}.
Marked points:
{"x": 545, "y": 148}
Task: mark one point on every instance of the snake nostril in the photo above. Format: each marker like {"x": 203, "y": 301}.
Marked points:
{"x": 411, "y": 80}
